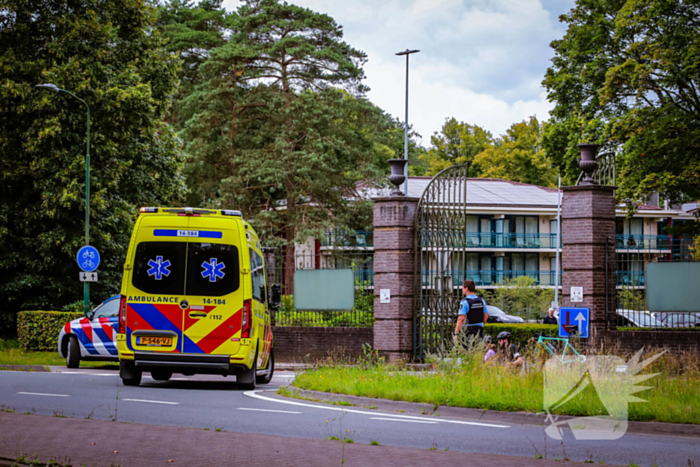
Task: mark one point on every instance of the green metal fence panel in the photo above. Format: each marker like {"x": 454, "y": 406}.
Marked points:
{"x": 324, "y": 289}
{"x": 673, "y": 286}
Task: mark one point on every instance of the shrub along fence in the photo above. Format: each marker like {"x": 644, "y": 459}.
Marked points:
{"x": 360, "y": 261}
{"x": 38, "y": 330}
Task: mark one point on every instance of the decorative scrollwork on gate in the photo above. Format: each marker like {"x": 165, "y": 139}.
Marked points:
{"x": 441, "y": 241}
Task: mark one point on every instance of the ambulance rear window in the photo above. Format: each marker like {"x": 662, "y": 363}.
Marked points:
{"x": 212, "y": 269}
{"x": 159, "y": 267}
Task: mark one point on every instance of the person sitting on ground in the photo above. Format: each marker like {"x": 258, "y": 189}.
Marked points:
{"x": 491, "y": 352}
{"x": 490, "y": 348}
{"x": 550, "y": 319}
{"x": 509, "y": 350}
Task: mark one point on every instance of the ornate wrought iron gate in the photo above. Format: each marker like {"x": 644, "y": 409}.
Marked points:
{"x": 441, "y": 242}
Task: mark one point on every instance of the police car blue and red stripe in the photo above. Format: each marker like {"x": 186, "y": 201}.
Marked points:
{"x": 93, "y": 337}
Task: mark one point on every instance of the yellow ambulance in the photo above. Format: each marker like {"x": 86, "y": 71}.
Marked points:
{"x": 194, "y": 298}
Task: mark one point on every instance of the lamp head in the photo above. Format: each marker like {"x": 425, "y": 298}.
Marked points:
{"x": 407, "y": 52}
{"x": 49, "y": 87}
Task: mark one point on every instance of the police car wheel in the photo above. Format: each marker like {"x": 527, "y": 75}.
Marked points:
{"x": 72, "y": 353}
{"x": 161, "y": 375}
{"x": 269, "y": 369}
{"x": 129, "y": 374}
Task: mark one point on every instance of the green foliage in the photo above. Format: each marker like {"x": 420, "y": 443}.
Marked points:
{"x": 457, "y": 143}
{"x": 522, "y": 334}
{"x": 518, "y": 156}
{"x": 521, "y": 297}
{"x": 191, "y": 31}
{"x": 105, "y": 52}
{"x": 625, "y": 75}
{"x": 38, "y": 330}
{"x": 631, "y": 299}
{"x": 362, "y": 314}
{"x": 76, "y": 307}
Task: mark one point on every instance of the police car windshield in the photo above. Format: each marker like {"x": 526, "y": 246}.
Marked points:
{"x": 181, "y": 268}
{"x": 107, "y": 310}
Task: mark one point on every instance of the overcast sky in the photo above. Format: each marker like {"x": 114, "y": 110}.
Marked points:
{"x": 480, "y": 61}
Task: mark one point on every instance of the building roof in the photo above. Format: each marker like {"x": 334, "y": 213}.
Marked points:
{"x": 486, "y": 192}
{"x": 497, "y": 193}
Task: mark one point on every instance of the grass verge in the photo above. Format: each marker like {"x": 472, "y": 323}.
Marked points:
{"x": 672, "y": 397}
{"x": 11, "y": 354}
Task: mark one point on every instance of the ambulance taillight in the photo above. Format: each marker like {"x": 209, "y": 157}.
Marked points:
{"x": 247, "y": 319}
{"x": 122, "y": 314}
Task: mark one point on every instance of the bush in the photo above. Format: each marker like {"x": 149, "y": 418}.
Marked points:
{"x": 38, "y": 330}
{"x": 521, "y": 333}
{"x": 521, "y": 297}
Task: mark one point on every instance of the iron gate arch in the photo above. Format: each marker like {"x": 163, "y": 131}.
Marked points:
{"x": 440, "y": 258}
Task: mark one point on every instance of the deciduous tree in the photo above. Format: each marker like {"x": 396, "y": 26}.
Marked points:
{"x": 518, "y": 156}
{"x": 106, "y": 52}
{"x": 457, "y": 143}
{"x": 626, "y": 75}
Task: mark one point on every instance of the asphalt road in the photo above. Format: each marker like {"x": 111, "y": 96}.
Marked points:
{"x": 217, "y": 403}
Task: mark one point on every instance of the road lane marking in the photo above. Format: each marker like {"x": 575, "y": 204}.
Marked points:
{"x": 268, "y": 410}
{"x": 404, "y": 421}
{"x": 43, "y": 394}
{"x": 152, "y": 402}
{"x": 362, "y": 412}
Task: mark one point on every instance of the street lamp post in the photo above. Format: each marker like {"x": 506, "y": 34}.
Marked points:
{"x": 86, "y": 285}
{"x": 405, "y": 133}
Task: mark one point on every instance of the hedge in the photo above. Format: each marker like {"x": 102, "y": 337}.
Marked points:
{"x": 522, "y": 333}
{"x": 38, "y": 330}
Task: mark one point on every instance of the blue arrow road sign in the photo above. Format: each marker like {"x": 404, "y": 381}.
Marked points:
{"x": 88, "y": 258}
{"x": 574, "y": 321}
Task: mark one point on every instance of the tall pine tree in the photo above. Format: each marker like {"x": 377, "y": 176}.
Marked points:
{"x": 280, "y": 127}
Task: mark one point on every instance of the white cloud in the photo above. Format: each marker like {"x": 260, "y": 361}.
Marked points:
{"x": 481, "y": 61}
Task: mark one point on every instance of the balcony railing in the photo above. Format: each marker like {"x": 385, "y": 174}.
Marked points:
{"x": 643, "y": 242}
{"x": 487, "y": 277}
{"x": 359, "y": 238}
{"x": 495, "y": 240}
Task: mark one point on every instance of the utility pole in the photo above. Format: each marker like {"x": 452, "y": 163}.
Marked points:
{"x": 86, "y": 285}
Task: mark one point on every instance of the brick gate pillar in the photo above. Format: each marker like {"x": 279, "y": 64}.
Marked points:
{"x": 588, "y": 222}
{"x": 394, "y": 228}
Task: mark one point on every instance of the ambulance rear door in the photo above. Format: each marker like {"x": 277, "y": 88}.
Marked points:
{"x": 213, "y": 286}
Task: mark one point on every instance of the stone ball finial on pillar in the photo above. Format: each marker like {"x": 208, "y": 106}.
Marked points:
{"x": 588, "y": 163}
{"x": 397, "y": 176}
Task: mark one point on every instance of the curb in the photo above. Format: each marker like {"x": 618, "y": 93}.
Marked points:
{"x": 37, "y": 368}
{"x": 518, "y": 418}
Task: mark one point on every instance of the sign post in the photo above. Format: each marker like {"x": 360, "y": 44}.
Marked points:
{"x": 88, "y": 259}
{"x": 574, "y": 321}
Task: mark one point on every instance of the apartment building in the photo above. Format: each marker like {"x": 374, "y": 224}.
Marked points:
{"x": 510, "y": 231}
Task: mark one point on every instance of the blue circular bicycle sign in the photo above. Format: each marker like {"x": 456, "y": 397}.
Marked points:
{"x": 88, "y": 258}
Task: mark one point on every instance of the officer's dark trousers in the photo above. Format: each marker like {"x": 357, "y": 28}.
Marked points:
{"x": 475, "y": 330}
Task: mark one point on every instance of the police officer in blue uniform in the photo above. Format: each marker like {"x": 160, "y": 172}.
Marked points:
{"x": 472, "y": 309}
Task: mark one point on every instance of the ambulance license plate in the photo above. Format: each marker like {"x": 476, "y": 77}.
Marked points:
{"x": 154, "y": 341}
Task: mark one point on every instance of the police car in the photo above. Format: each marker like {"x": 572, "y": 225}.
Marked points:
{"x": 93, "y": 337}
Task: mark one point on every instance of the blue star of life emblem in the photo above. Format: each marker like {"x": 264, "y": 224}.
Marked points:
{"x": 212, "y": 269}
{"x": 159, "y": 268}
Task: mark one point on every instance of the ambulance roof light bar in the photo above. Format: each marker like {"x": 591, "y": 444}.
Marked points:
{"x": 230, "y": 212}
{"x": 148, "y": 210}
{"x": 189, "y": 211}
